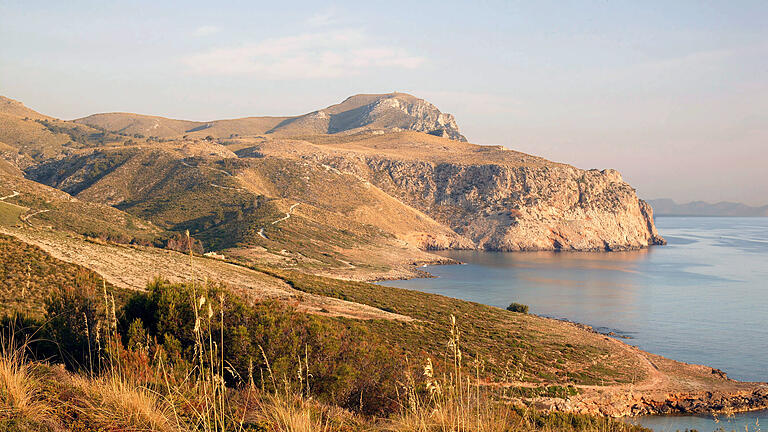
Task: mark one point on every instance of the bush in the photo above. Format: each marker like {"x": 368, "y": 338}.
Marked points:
{"x": 518, "y": 307}
{"x": 72, "y": 315}
{"x": 265, "y": 342}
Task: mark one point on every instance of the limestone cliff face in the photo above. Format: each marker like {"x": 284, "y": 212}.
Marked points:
{"x": 382, "y": 113}
{"x": 409, "y": 113}
{"x": 517, "y": 208}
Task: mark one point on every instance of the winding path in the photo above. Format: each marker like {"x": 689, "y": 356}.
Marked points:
{"x": 287, "y": 215}
{"x": 284, "y": 218}
{"x": 207, "y": 167}
{"x": 227, "y": 187}
{"x": 25, "y": 218}
{"x": 9, "y": 196}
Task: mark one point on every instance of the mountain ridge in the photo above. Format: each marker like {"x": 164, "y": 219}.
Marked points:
{"x": 373, "y": 185}
{"x": 363, "y": 112}
{"x": 669, "y": 207}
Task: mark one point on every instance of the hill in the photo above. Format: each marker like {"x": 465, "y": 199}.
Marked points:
{"x": 363, "y": 189}
{"x": 17, "y": 109}
{"x": 375, "y": 112}
{"x": 27, "y": 203}
{"x": 668, "y": 207}
{"x": 557, "y": 364}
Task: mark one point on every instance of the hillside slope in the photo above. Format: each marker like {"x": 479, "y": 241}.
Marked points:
{"x": 500, "y": 199}
{"x": 545, "y": 362}
{"x": 26, "y": 203}
{"x": 358, "y": 190}
{"x": 378, "y": 112}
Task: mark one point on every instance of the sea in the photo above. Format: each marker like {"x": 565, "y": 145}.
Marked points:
{"x": 702, "y": 298}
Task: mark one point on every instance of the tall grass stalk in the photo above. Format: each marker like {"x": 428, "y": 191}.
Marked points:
{"x": 21, "y": 389}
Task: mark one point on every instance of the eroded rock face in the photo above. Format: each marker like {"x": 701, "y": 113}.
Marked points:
{"x": 416, "y": 115}
{"x": 518, "y": 208}
{"x": 383, "y": 113}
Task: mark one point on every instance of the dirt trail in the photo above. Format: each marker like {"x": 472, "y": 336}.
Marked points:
{"x": 206, "y": 167}
{"x": 227, "y": 187}
{"x": 287, "y": 215}
{"x": 26, "y": 218}
{"x": 132, "y": 267}
{"x": 9, "y": 196}
{"x": 284, "y": 218}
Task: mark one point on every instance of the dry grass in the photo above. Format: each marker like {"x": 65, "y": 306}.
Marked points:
{"x": 21, "y": 391}
{"x": 289, "y": 414}
{"x": 457, "y": 401}
{"x": 112, "y": 400}
{"x": 454, "y": 401}
{"x": 51, "y": 399}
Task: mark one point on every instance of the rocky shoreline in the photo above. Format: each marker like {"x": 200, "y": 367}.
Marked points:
{"x": 661, "y": 394}
{"x": 724, "y": 396}
{"x": 639, "y": 404}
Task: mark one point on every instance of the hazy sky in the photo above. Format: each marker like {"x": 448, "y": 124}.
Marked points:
{"x": 673, "y": 94}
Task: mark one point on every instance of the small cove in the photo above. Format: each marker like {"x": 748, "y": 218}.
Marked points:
{"x": 701, "y": 299}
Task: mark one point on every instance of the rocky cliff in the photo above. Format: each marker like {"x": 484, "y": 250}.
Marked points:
{"x": 524, "y": 209}
{"x": 507, "y": 201}
{"x": 464, "y": 195}
{"x": 382, "y": 113}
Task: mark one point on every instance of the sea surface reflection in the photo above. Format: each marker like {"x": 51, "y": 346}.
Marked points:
{"x": 701, "y": 299}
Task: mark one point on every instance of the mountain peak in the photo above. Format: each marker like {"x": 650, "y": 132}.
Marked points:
{"x": 389, "y": 112}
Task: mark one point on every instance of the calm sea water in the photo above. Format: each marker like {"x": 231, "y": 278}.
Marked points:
{"x": 703, "y": 298}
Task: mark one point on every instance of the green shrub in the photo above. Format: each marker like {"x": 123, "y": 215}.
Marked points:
{"x": 518, "y": 307}
{"x": 72, "y": 315}
{"x": 265, "y": 342}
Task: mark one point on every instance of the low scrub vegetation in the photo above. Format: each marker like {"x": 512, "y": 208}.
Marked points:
{"x": 28, "y": 276}
{"x": 185, "y": 357}
{"x": 513, "y": 346}
{"x": 518, "y": 307}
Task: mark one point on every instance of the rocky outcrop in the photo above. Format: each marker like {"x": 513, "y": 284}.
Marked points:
{"x": 391, "y": 112}
{"x": 629, "y": 404}
{"x": 518, "y": 208}
{"x": 402, "y": 112}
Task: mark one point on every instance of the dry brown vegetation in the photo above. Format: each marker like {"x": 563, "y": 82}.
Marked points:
{"x": 142, "y": 386}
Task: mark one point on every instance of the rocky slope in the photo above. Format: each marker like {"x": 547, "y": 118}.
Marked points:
{"x": 366, "y": 112}
{"x": 500, "y": 199}
{"x": 373, "y": 169}
{"x": 523, "y": 208}
{"x": 381, "y": 112}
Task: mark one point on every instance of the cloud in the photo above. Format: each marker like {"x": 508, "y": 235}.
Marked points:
{"x": 322, "y": 19}
{"x": 206, "y": 30}
{"x": 331, "y": 54}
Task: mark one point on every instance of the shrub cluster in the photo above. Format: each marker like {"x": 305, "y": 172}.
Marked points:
{"x": 518, "y": 307}
{"x": 264, "y": 344}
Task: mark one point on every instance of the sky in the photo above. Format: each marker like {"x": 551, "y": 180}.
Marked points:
{"x": 672, "y": 94}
